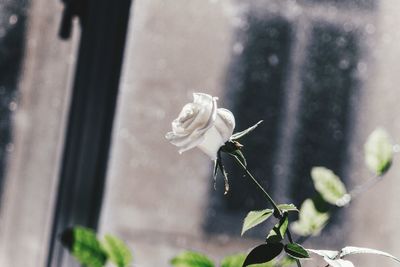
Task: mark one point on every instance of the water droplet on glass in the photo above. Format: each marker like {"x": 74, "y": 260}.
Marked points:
{"x": 348, "y": 27}
{"x": 273, "y": 60}
{"x": 396, "y": 148}
{"x": 13, "y": 19}
{"x": 369, "y": 28}
{"x": 341, "y": 41}
{"x": 10, "y": 147}
{"x": 239, "y": 22}
{"x": 237, "y": 48}
{"x": 343, "y": 201}
{"x": 344, "y": 64}
{"x": 361, "y": 67}
{"x": 12, "y": 106}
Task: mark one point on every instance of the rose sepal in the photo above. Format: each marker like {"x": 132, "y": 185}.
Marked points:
{"x": 219, "y": 166}
{"x": 233, "y": 148}
{"x": 239, "y": 135}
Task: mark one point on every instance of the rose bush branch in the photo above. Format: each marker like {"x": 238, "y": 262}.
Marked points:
{"x": 277, "y": 211}
{"x": 201, "y": 124}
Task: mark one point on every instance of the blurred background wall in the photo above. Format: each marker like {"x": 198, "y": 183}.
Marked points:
{"x": 312, "y": 70}
{"x": 35, "y": 75}
{"x": 321, "y": 74}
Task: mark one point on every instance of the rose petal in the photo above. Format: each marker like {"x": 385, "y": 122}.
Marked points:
{"x": 186, "y": 117}
{"x": 207, "y": 113}
{"x": 184, "y": 142}
{"x": 225, "y": 123}
{"x": 211, "y": 143}
{"x": 201, "y": 124}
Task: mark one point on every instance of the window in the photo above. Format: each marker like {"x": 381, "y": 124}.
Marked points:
{"x": 82, "y": 121}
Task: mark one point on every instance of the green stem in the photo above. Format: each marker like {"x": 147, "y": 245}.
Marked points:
{"x": 277, "y": 211}
{"x": 269, "y": 198}
{"x": 365, "y": 186}
{"x": 289, "y": 236}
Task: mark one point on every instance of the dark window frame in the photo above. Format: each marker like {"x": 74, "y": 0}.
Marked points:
{"x": 91, "y": 115}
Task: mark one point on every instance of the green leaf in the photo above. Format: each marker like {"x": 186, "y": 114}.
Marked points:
{"x": 117, "y": 251}
{"x": 191, "y": 259}
{"x": 328, "y": 185}
{"x": 245, "y": 132}
{"x": 278, "y": 231}
{"x": 296, "y": 251}
{"x": 236, "y": 260}
{"x": 84, "y": 246}
{"x": 254, "y": 218}
{"x": 287, "y": 207}
{"x": 378, "y": 151}
{"x": 356, "y": 250}
{"x": 311, "y": 221}
{"x": 263, "y": 253}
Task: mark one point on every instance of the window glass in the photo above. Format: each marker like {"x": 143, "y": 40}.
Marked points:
{"x": 321, "y": 74}
{"x": 35, "y": 74}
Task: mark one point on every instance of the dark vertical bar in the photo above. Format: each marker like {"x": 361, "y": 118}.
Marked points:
{"x": 90, "y": 120}
{"x": 255, "y": 87}
{"x": 328, "y": 85}
{"x": 12, "y": 41}
{"x": 259, "y": 95}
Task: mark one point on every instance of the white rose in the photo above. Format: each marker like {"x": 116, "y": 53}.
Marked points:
{"x": 201, "y": 124}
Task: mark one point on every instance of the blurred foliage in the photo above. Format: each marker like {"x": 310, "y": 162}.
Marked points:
{"x": 191, "y": 259}
{"x": 88, "y": 250}
{"x": 117, "y": 251}
{"x": 311, "y": 221}
{"x": 378, "y": 151}
{"x": 84, "y": 246}
{"x": 328, "y": 185}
